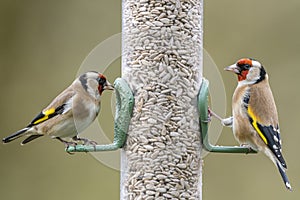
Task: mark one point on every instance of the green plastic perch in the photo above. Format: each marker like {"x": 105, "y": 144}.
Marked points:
{"x": 124, "y": 103}
{"x": 203, "y": 109}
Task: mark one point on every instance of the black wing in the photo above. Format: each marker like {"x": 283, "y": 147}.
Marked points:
{"x": 272, "y": 139}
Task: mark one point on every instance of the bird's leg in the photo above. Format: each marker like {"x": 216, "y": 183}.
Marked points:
{"x": 225, "y": 122}
{"x": 212, "y": 114}
{"x": 85, "y": 141}
{"x": 66, "y": 143}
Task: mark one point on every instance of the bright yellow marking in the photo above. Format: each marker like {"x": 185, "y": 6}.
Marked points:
{"x": 41, "y": 120}
{"x": 49, "y": 112}
{"x": 46, "y": 113}
{"x": 254, "y": 123}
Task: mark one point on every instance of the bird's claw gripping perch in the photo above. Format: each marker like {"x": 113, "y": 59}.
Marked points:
{"x": 124, "y": 106}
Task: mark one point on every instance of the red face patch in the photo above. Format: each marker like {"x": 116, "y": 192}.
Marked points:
{"x": 102, "y": 76}
{"x": 100, "y": 89}
{"x": 244, "y": 65}
{"x": 244, "y": 61}
{"x": 243, "y": 75}
{"x": 101, "y": 82}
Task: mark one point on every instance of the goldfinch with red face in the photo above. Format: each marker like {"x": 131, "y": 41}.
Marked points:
{"x": 69, "y": 113}
{"x": 255, "y": 120}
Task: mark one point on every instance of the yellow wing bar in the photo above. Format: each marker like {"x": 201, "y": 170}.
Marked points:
{"x": 254, "y": 124}
{"x": 43, "y": 116}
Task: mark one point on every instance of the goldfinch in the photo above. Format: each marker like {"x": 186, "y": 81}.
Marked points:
{"x": 69, "y": 113}
{"x": 255, "y": 120}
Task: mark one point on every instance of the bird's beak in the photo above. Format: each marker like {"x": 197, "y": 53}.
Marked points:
{"x": 233, "y": 68}
{"x": 108, "y": 86}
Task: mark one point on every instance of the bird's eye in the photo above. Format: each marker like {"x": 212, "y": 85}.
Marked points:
{"x": 101, "y": 81}
{"x": 246, "y": 67}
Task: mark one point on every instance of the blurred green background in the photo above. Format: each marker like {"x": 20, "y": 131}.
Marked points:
{"x": 42, "y": 45}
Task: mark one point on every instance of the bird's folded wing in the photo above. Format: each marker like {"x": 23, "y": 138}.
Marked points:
{"x": 61, "y": 104}
{"x": 269, "y": 133}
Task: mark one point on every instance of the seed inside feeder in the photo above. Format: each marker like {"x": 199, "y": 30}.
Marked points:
{"x": 161, "y": 62}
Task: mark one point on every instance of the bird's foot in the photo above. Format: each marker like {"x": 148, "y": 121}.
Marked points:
{"x": 90, "y": 142}
{"x": 67, "y": 144}
{"x": 210, "y": 113}
{"x": 250, "y": 149}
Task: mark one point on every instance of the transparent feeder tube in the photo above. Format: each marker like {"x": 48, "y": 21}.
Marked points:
{"x": 162, "y": 63}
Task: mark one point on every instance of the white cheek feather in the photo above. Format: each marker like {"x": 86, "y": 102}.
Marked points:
{"x": 92, "y": 89}
{"x": 255, "y": 63}
{"x": 251, "y": 77}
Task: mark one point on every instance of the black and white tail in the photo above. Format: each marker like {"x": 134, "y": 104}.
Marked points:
{"x": 284, "y": 176}
{"x": 15, "y": 135}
